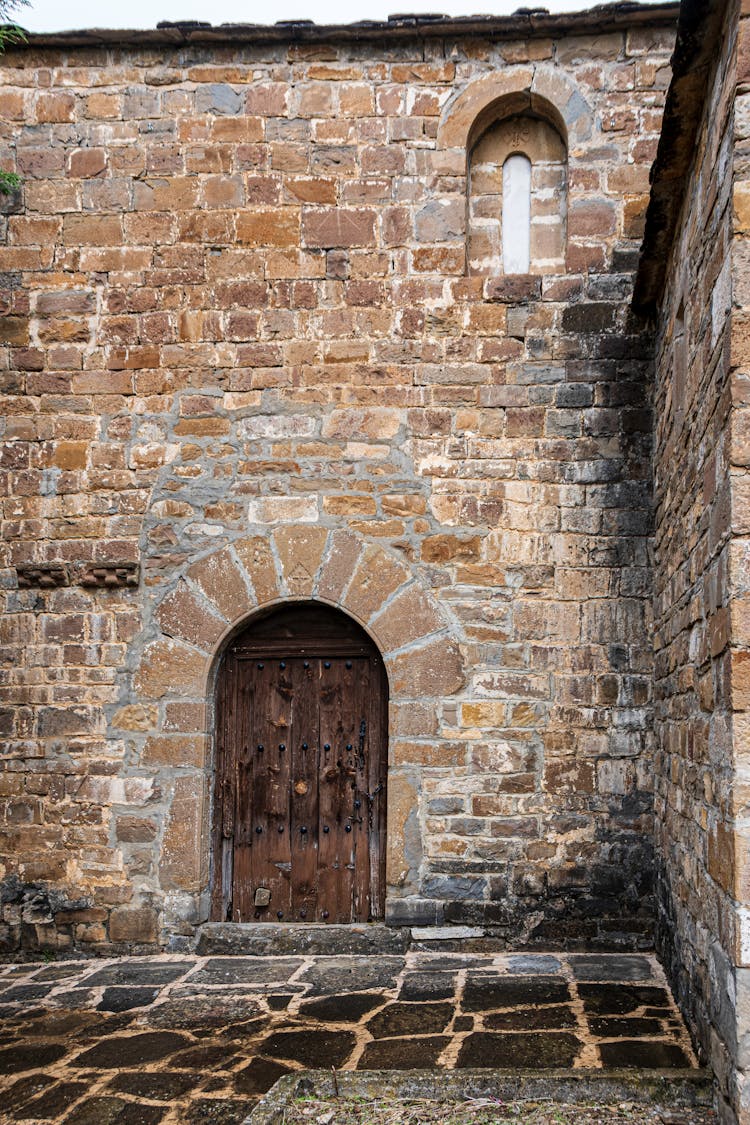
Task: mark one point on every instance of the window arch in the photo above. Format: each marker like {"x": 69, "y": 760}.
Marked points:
{"x": 517, "y": 205}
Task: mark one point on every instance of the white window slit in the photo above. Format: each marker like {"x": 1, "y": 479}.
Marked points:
{"x": 516, "y": 214}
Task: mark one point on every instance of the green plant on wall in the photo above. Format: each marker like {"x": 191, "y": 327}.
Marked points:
{"x": 10, "y": 33}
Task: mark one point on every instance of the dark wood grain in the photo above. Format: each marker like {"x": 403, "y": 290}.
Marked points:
{"x": 304, "y": 824}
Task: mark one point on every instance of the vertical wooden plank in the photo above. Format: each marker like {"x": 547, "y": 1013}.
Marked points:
{"x": 329, "y": 804}
{"x": 378, "y": 785}
{"x": 275, "y": 716}
{"x": 364, "y": 751}
{"x": 269, "y": 710}
{"x": 304, "y": 790}
{"x": 220, "y": 887}
{"x": 338, "y": 705}
{"x": 242, "y": 851}
{"x": 229, "y": 815}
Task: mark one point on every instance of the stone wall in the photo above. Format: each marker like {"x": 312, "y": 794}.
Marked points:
{"x": 237, "y": 307}
{"x": 700, "y": 590}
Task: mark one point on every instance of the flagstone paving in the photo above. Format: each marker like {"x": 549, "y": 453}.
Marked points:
{"x": 178, "y": 1039}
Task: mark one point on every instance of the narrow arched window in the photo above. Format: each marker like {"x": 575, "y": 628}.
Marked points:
{"x": 516, "y": 234}
{"x": 517, "y": 205}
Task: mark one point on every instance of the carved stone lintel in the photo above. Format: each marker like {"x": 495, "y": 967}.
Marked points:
{"x": 110, "y": 576}
{"x": 44, "y": 575}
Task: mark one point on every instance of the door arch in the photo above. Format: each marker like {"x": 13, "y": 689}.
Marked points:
{"x": 300, "y": 771}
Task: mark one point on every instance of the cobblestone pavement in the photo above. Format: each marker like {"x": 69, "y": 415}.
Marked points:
{"x": 199, "y": 1039}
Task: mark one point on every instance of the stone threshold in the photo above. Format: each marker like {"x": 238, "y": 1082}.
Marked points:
{"x": 268, "y": 939}
{"x": 670, "y": 1088}
{"x": 265, "y": 939}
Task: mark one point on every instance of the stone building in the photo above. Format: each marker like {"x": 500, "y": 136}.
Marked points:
{"x": 374, "y": 486}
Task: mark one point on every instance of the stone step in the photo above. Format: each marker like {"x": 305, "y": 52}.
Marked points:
{"x": 264, "y": 939}
{"x": 669, "y": 1089}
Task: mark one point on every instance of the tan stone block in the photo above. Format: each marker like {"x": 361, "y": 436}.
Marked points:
{"x": 740, "y": 339}
{"x": 277, "y": 227}
{"x": 339, "y": 226}
{"x": 300, "y": 550}
{"x": 255, "y": 555}
{"x": 174, "y": 750}
{"x": 450, "y": 548}
{"x": 338, "y": 565}
{"x": 55, "y": 108}
{"x": 84, "y": 163}
{"x": 187, "y": 718}
{"x": 203, "y": 427}
{"x": 349, "y": 504}
{"x": 136, "y": 924}
{"x": 402, "y": 847}
{"x": 170, "y": 668}
{"x": 740, "y": 621}
{"x": 103, "y": 105}
{"x": 92, "y": 933}
{"x": 568, "y": 775}
{"x": 740, "y": 437}
{"x": 721, "y": 856}
{"x": 223, "y": 583}
{"x": 413, "y": 719}
{"x": 14, "y": 330}
{"x": 428, "y": 72}
{"x": 403, "y": 504}
{"x": 267, "y": 99}
{"x": 374, "y": 424}
{"x": 740, "y": 676}
{"x": 92, "y": 230}
{"x": 135, "y": 829}
{"x": 309, "y": 190}
{"x": 135, "y": 716}
{"x": 12, "y": 105}
{"x": 178, "y": 193}
{"x": 378, "y": 575}
{"x": 525, "y": 715}
{"x": 438, "y": 754}
{"x": 435, "y": 669}
{"x": 182, "y": 853}
{"x": 182, "y": 615}
{"x": 410, "y": 616}
{"x": 70, "y": 454}
{"x": 741, "y": 202}
{"x": 485, "y": 715}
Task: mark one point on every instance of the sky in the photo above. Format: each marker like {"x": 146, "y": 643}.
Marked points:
{"x": 61, "y": 15}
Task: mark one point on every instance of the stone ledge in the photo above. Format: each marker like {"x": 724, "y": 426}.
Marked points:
{"x": 669, "y": 1088}
{"x": 269, "y": 939}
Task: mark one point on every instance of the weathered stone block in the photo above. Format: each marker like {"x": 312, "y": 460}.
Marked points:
{"x": 338, "y": 227}
{"x": 378, "y": 575}
{"x": 300, "y": 551}
{"x": 182, "y": 614}
{"x": 435, "y": 669}
{"x": 133, "y": 924}
{"x": 170, "y": 668}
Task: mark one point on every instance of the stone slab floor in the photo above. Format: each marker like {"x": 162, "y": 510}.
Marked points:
{"x": 199, "y": 1039}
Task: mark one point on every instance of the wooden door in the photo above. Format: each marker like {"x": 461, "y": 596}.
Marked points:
{"x": 299, "y": 788}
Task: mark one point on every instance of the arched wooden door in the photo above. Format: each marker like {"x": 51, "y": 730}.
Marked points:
{"x": 300, "y": 783}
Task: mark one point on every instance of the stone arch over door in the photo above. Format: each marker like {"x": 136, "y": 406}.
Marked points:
{"x": 175, "y": 672}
